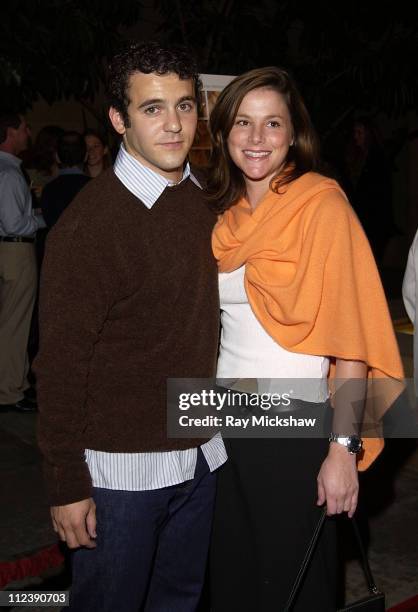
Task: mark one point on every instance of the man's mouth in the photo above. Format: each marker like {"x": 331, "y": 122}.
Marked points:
{"x": 172, "y": 145}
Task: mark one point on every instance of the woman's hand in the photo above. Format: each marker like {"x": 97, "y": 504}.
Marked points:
{"x": 337, "y": 478}
{"x": 338, "y": 481}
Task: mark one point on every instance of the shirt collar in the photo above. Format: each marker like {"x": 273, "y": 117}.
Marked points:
{"x": 12, "y": 159}
{"x": 143, "y": 182}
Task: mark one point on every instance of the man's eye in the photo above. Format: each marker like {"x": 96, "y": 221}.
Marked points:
{"x": 152, "y": 110}
{"x": 186, "y": 106}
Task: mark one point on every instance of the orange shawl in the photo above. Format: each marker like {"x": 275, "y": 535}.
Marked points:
{"x": 311, "y": 279}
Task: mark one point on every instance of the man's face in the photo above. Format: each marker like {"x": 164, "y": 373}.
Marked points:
{"x": 163, "y": 118}
{"x": 20, "y": 137}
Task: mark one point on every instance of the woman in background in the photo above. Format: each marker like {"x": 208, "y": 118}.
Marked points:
{"x": 98, "y": 158}
{"x": 300, "y": 298}
{"x": 368, "y": 182}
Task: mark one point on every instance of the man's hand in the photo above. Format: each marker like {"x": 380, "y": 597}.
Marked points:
{"x": 76, "y": 523}
{"x": 338, "y": 481}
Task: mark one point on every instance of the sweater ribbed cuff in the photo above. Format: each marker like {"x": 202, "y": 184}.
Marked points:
{"x": 69, "y": 484}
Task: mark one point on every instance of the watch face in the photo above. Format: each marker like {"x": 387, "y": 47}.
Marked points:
{"x": 354, "y": 444}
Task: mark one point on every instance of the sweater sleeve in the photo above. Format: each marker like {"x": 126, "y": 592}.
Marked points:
{"x": 79, "y": 284}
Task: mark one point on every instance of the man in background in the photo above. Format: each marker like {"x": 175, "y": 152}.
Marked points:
{"x": 58, "y": 193}
{"x": 18, "y": 275}
{"x": 410, "y": 298}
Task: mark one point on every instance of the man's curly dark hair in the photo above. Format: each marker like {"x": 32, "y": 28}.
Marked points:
{"x": 147, "y": 57}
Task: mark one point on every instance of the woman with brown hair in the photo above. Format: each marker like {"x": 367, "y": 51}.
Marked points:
{"x": 98, "y": 157}
{"x": 301, "y": 299}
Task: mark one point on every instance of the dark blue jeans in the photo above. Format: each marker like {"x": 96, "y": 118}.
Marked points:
{"x": 151, "y": 549}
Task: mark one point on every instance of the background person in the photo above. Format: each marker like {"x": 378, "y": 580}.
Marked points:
{"x": 40, "y": 159}
{"x": 61, "y": 191}
{"x": 57, "y": 194}
{"x": 98, "y": 156}
{"x": 410, "y": 298}
{"x": 18, "y": 269}
{"x": 368, "y": 182}
{"x": 300, "y": 298}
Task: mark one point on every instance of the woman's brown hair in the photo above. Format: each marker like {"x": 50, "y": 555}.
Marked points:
{"x": 225, "y": 183}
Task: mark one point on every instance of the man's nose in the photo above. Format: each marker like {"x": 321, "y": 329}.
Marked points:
{"x": 172, "y": 123}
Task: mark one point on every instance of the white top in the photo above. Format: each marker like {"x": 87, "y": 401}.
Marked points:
{"x": 155, "y": 470}
{"x": 247, "y": 350}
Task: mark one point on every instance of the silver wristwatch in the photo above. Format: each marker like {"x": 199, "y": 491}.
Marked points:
{"x": 353, "y": 444}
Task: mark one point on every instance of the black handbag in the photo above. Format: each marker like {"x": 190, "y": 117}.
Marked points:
{"x": 374, "y": 602}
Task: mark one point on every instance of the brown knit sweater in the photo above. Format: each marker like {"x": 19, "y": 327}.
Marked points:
{"x": 129, "y": 298}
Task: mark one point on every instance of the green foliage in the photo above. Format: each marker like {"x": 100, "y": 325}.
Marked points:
{"x": 345, "y": 56}
{"x": 229, "y": 36}
{"x": 56, "y": 48}
{"x": 358, "y": 56}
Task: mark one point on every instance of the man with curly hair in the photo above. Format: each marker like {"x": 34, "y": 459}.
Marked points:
{"x": 129, "y": 298}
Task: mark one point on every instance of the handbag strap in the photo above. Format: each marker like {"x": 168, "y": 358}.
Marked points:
{"x": 305, "y": 563}
{"x": 371, "y": 585}
{"x": 308, "y": 556}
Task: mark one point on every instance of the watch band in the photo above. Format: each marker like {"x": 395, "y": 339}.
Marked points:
{"x": 353, "y": 443}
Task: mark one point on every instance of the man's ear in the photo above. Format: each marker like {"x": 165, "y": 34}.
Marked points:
{"x": 116, "y": 120}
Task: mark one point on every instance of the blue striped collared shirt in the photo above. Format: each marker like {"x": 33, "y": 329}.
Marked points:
{"x": 147, "y": 471}
{"x": 143, "y": 182}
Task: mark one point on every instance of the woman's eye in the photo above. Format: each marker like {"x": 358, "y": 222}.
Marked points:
{"x": 274, "y": 124}
{"x": 242, "y": 122}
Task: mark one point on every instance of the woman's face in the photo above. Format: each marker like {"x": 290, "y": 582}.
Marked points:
{"x": 359, "y": 135}
{"x": 261, "y": 135}
{"x": 95, "y": 150}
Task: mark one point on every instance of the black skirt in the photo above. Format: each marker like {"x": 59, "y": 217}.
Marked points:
{"x": 265, "y": 515}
